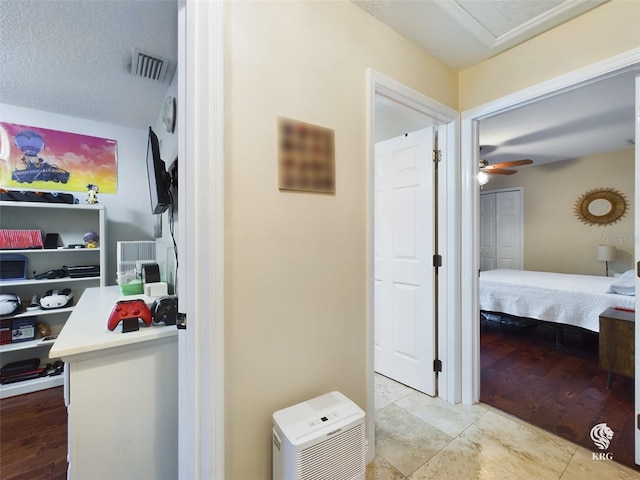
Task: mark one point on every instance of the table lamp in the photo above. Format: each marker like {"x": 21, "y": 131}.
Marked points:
{"x": 606, "y": 253}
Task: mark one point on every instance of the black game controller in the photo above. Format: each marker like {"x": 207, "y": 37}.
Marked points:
{"x": 165, "y": 309}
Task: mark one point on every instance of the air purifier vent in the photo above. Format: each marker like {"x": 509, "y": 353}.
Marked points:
{"x": 338, "y": 458}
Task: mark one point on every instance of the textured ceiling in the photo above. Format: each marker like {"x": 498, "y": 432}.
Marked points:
{"x": 500, "y": 18}
{"x": 463, "y": 33}
{"x": 74, "y": 57}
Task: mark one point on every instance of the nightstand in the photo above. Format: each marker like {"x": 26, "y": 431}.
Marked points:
{"x": 616, "y": 341}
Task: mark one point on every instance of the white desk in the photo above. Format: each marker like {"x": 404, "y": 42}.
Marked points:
{"x": 121, "y": 392}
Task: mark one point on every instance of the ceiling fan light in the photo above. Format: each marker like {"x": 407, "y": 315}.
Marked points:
{"x": 483, "y": 178}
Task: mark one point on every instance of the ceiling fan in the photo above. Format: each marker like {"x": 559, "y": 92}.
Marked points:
{"x": 499, "y": 168}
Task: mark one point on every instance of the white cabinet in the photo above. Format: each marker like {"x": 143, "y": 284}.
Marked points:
{"x": 123, "y": 394}
{"x": 70, "y": 222}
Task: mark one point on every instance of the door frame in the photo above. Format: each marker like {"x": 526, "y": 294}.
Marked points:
{"x": 447, "y": 123}
{"x": 201, "y": 380}
{"x": 470, "y": 340}
{"x": 637, "y": 260}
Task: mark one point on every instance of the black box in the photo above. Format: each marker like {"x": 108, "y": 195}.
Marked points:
{"x": 13, "y": 266}
{"x": 45, "y": 197}
{"x": 83, "y": 271}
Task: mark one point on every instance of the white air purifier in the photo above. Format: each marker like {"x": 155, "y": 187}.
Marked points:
{"x": 320, "y": 439}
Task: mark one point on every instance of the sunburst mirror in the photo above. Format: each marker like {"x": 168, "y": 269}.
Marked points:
{"x": 600, "y": 206}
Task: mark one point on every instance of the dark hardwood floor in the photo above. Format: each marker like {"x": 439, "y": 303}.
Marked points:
{"x": 557, "y": 388}
{"x": 33, "y": 436}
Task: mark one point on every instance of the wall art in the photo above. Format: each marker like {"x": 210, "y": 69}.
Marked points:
{"x": 600, "y": 206}
{"x": 306, "y": 157}
{"x": 42, "y": 159}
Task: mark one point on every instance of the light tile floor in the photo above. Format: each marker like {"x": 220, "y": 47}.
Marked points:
{"x": 419, "y": 437}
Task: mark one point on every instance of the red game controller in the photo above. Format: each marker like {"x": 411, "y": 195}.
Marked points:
{"x": 129, "y": 310}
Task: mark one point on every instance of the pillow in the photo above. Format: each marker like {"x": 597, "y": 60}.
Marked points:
{"x": 625, "y": 284}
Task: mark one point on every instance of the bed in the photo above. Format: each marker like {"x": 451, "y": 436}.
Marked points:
{"x": 559, "y": 298}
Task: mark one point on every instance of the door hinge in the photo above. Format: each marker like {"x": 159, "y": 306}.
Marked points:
{"x": 181, "y": 321}
{"x": 437, "y": 155}
{"x": 437, "y": 365}
{"x": 437, "y": 260}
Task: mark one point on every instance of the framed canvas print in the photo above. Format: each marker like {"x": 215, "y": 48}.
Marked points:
{"x": 306, "y": 157}
{"x": 43, "y": 159}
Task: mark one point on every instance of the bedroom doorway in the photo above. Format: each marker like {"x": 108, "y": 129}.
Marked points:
{"x": 471, "y": 123}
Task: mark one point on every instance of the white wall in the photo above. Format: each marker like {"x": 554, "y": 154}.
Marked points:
{"x": 168, "y": 153}
{"x": 168, "y": 141}
{"x": 128, "y": 211}
{"x": 395, "y": 120}
{"x": 554, "y": 239}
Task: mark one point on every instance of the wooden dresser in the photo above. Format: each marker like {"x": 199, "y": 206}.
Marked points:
{"x": 617, "y": 343}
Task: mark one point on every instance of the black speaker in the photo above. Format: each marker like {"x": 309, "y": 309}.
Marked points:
{"x": 51, "y": 240}
{"x": 13, "y": 266}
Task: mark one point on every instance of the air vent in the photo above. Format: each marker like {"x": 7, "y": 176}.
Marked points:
{"x": 147, "y": 65}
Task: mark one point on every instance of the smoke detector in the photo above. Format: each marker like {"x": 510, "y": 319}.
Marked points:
{"x": 148, "y": 65}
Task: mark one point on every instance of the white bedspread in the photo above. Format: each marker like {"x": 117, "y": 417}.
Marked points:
{"x": 554, "y": 297}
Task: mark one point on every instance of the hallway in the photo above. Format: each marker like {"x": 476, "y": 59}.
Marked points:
{"x": 419, "y": 438}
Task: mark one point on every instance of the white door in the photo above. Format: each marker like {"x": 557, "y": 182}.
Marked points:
{"x": 501, "y": 230}
{"x": 509, "y": 230}
{"x": 404, "y": 316}
{"x": 487, "y": 231}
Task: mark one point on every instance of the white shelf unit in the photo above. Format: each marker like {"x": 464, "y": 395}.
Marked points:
{"x": 70, "y": 222}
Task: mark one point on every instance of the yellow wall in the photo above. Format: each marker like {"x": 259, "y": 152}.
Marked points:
{"x": 601, "y": 33}
{"x": 554, "y": 239}
{"x": 295, "y": 297}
